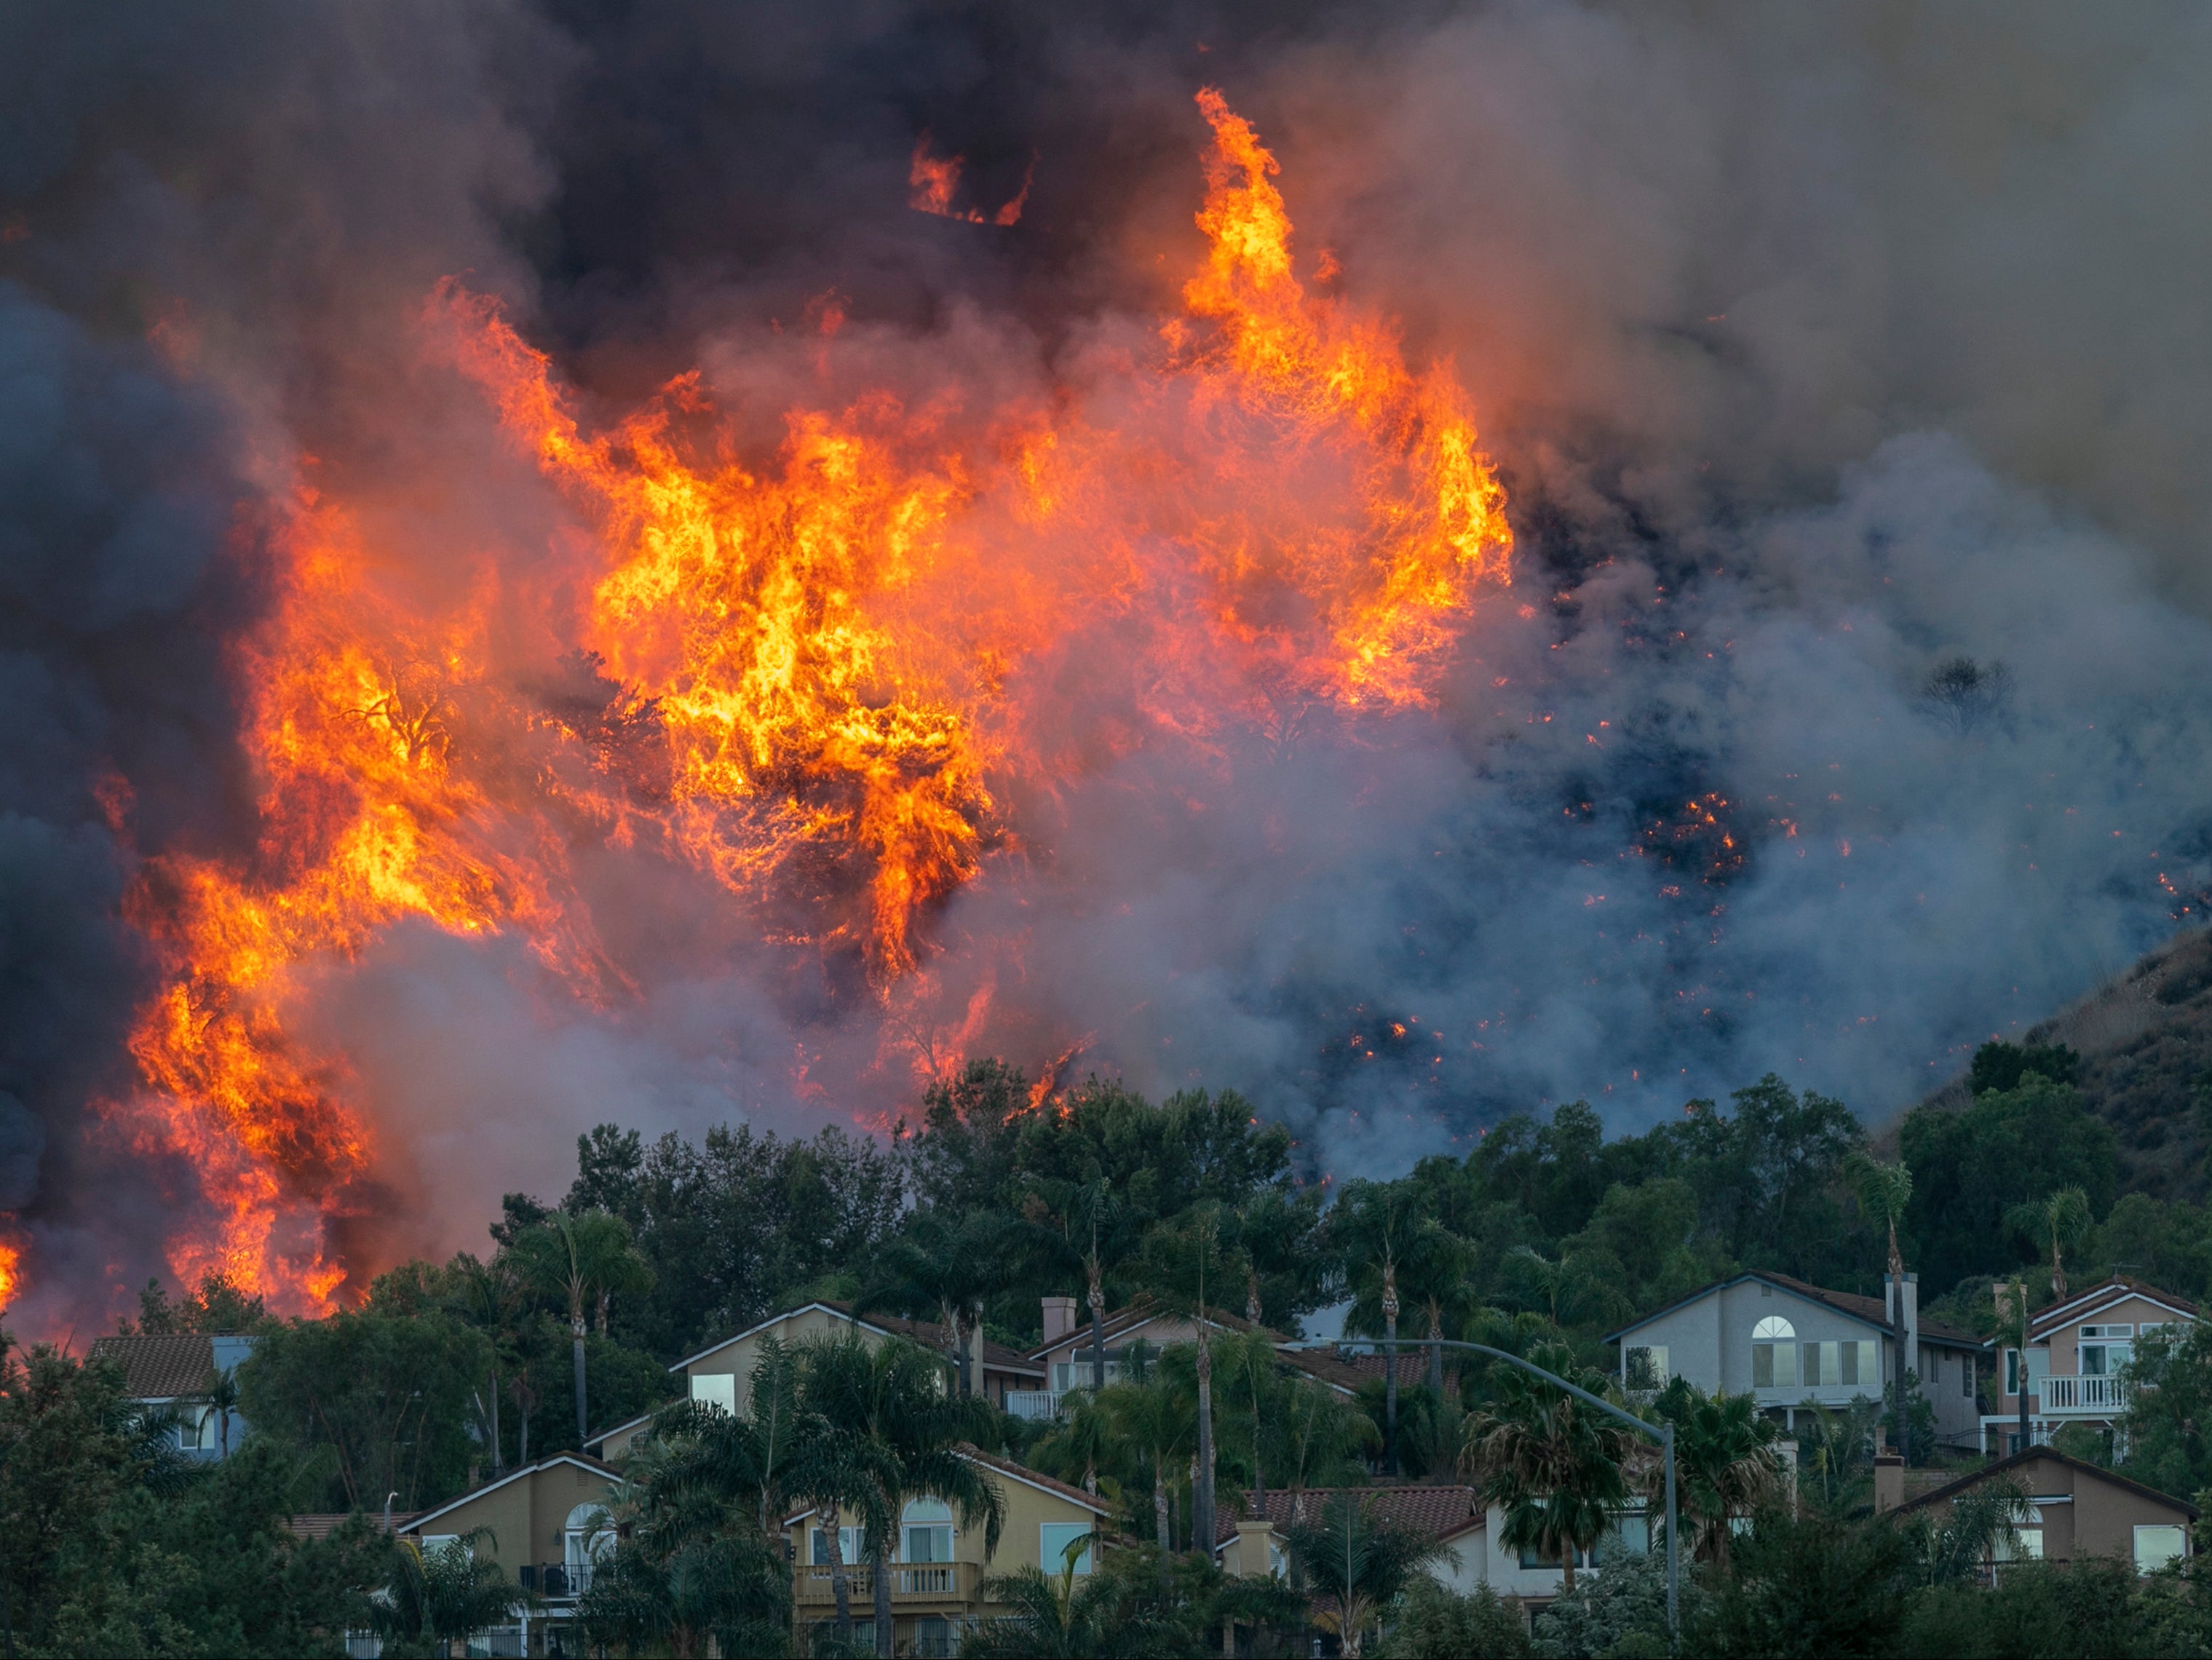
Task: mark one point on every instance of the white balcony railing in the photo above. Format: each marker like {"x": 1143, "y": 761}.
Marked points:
{"x": 1033, "y": 1403}
{"x": 2087, "y": 1394}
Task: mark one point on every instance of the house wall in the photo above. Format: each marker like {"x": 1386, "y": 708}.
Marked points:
{"x": 1027, "y": 1510}
{"x": 1709, "y": 1343}
{"x": 1158, "y": 1332}
{"x": 737, "y": 1358}
{"x": 528, "y": 1518}
{"x": 2060, "y": 1352}
{"x": 2085, "y": 1515}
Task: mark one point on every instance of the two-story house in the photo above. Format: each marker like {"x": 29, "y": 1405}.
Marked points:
{"x": 549, "y": 1524}
{"x": 171, "y": 1372}
{"x": 2074, "y": 1509}
{"x": 2077, "y": 1349}
{"x": 721, "y": 1374}
{"x": 1064, "y": 1357}
{"x": 1788, "y": 1343}
{"x": 938, "y": 1569}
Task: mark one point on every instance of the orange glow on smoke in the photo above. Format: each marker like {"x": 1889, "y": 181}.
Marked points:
{"x": 818, "y": 677}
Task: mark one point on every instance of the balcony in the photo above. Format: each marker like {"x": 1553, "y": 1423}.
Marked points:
{"x": 1034, "y": 1404}
{"x": 2098, "y": 1397}
{"x": 557, "y": 1582}
{"x": 916, "y": 1582}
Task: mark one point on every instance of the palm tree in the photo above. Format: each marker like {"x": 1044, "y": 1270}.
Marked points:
{"x": 1884, "y": 1190}
{"x": 1373, "y": 1227}
{"x": 1439, "y": 1274}
{"x": 699, "y": 1556}
{"x": 888, "y": 1396}
{"x": 1160, "y": 1420}
{"x": 443, "y": 1594}
{"x": 1179, "y": 1262}
{"x": 945, "y": 1269}
{"x": 1954, "y": 1546}
{"x": 1725, "y": 1463}
{"x": 1083, "y": 1227}
{"x": 1059, "y": 1616}
{"x": 1556, "y": 1469}
{"x": 1251, "y": 1390}
{"x": 219, "y": 1394}
{"x": 1578, "y": 1286}
{"x": 1326, "y": 1440}
{"x": 1079, "y": 1442}
{"x": 583, "y": 1258}
{"x": 489, "y": 1296}
{"x": 2055, "y": 1222}
{"x": 1356, "y": 1565}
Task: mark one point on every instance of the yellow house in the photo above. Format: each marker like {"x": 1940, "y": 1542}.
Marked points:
{"x": 721, "y": 1374}
{"x": 937, "y": 1567}
{"x": 549, "y": 1523}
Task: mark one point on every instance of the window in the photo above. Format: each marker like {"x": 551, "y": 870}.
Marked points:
{"x": 2155, "y": 1547}
{"x": 2104, "y": 1359}
{"x": 925, "y": 1531}
{"x": 1645, "y": 1367}
{"x": 589, "y": 1535}
{"x": 2012, "y": 1371}
{"x": 935, "y": 1638}
{"x": 1076, "y": 1374}
{"x": 1054, "y": 1541}
{"x": 716, "y": 1388}
{"x": 1532, "y": 1557}
{"x": 2027, "y": 1538}
{"x": 1966, "y": 1371}
{"x": 852, "y": 1545}
{"x": 2093, "y": 1334}
{"x": 1773, "y": 1354}
{"x": 197, "y": 1429}
{"x": 1843, "y": 1364}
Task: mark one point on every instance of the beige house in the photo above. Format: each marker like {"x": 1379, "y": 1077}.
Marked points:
{"x": 722, "y": 1375}
{"x": 549, "y": 1525}
{"x": 939, "y": 1567}
{"x": 2077, "y": 1350}
{"x": 2076, "y": 1510}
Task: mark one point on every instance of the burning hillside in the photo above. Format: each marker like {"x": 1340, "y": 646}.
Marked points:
{"x": 811, "y": 678}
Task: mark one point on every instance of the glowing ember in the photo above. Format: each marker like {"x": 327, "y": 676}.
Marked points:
{"x": 815, "y": 677}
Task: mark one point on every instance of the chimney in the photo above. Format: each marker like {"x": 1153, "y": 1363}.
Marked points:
{"x": 1059, "y": 1318}
{"x": 1254, "y": 1557}
{"x": 1888, "y": 1481}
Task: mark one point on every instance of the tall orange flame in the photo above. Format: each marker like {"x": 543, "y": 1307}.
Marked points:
{"x": 812, "y": 678}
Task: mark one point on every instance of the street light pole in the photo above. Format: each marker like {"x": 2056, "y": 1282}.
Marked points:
{"x": 1663, "y": 1434}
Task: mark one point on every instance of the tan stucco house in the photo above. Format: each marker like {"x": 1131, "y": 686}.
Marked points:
{"x": 2077, "y": 1350}
{"x": 2076, "y": 1510}
{"x": 939, "y": 1567}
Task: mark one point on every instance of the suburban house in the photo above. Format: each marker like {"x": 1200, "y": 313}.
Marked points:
{"x": 1790, "y": 1344}
{"x": 2076, "y": 1351}
{"x": 2076, "y": 1510}
{"x": 170, "y": 1371}
{"x": 1065, "y": 1356}
{"x": 549, "y": 1525}
{"x": 937, "y": 1567}
{"x": 722, "y": 1375}
{"x": 1252, "y": 1542}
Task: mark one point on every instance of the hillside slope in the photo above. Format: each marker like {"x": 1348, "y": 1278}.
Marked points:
{"x": 2145, "y": 1038}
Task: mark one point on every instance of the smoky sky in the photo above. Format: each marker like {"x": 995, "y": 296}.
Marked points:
{"x": 1818, "y": 351}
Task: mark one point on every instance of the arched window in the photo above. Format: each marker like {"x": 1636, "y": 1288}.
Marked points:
{"x": 925, "y": 1531}
{"x": 589, "y": 1534}
{"x": 1773, "y": 1354}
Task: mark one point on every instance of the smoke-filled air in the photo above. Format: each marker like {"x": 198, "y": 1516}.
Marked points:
{"x": 562, "y": 563}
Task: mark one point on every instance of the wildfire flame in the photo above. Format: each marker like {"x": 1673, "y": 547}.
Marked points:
{"x": 815, "y": 677}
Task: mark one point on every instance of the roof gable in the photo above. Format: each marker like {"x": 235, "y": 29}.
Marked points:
{"x": 1866, "y": 1310}
{"x": 995, "y": 1356}
{"x": 577, "y": 1460}
{"x": 2049, "y": 1454}
{"x": 1012, "y": 1472}
{"x": 2102, "y": 1298}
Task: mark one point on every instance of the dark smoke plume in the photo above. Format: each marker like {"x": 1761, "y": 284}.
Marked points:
{"x": 1846, "y": 368}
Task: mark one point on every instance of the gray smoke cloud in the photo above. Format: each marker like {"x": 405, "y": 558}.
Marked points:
{"x": 1819, "y": 351}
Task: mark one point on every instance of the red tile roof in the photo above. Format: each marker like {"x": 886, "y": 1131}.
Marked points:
{"x": 1440, "y": 1513}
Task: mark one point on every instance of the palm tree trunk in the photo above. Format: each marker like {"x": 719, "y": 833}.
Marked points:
{"x": 1098, "y": 1329}
{"x": 1567, "y": 1562}
{"x": 498, "y": 1459}
{"x": 1436, "y": 1350}
{"x": 2058, "y": 1269}
{"x": 840, "y": 1587}
{"x": 1390, "y": 1373}
{"x": 576, "y": 1335}
{"x": 1159, "y": 1502}
{"x": 1201, "y": 1490}
{"x": 879, "y": 1568}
